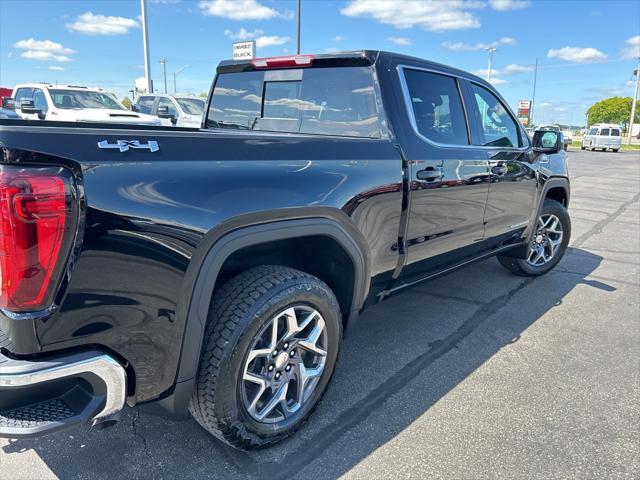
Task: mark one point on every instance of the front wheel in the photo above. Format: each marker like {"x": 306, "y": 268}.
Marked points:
{"x": 549, "y": 242}
{"x": 270, "y": 348}
{"x": 615, "y": 150}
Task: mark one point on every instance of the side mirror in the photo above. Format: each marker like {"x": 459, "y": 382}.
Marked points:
{"x": 163, "y": 112}
{"x": 28, "y": 106}
{"x": 548, "y": 141}
{"x": 134, "y": 108}
{"x": 8, "y": 103}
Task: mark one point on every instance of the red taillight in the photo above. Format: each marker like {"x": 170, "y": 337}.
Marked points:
{"x": 283, "y": 62}
{"x": 34, "y": 213}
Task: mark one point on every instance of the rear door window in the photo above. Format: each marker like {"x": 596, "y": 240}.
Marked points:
{"x": 615, "y": 132}
{"x": 171, "y": 108}
{"x": 321, "y": 101}
{"x": 604, "y": 132}
{"x": 437, "y": 107}
{"x": 145, "y": 104}
{"x": 23, "y": 93}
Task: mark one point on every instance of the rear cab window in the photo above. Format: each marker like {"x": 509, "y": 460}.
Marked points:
{"x": 336, "y": 101}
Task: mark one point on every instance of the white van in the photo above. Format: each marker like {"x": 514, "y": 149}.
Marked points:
{"x": 71, "y": 103}
{"x": 603, "y": 136}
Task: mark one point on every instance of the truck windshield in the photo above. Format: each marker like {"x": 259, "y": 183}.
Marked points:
{"x": 191, "y": 106}
{"x": 323, "y": 101}
{"x": 69, "y": 99}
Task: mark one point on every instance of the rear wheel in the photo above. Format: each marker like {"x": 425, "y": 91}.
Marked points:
{"x": 270, "y": 348}
{"x": 615, "y": 150}
{"x": 549, "y": 242}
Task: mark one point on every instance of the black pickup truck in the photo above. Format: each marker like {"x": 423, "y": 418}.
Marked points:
{"x": 215, "y": 270}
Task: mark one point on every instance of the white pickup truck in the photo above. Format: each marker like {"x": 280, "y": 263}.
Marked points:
{"x": 70, "y": 103}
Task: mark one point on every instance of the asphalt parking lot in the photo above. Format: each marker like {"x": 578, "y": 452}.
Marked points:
{"x": 479, "y": 374}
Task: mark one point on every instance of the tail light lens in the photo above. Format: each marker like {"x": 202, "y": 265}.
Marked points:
{"x": 36, "y": 224}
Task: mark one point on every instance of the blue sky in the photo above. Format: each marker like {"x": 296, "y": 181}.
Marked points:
{"x": 587, "y": 50}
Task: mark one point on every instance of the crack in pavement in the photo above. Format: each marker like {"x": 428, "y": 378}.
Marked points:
{"x": 598, "y": 227}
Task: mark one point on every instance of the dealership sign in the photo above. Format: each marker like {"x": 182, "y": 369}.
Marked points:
{"x": 244, "y": 50}
{"x": 524, "y": 112}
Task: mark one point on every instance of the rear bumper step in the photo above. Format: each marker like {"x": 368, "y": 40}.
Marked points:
{"x": 51, "y": 394}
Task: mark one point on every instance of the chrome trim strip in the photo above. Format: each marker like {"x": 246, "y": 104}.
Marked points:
{"x": 412, "y": 120}
{"x": 104, "y": 366}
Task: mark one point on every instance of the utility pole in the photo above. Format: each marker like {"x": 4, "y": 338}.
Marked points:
{"x": 633, "y": 104}
{"x": 299, "y": 12}
{"x": 164, "y": 70}
{"x": 533, "y": 98}
{"x": 490, "y": 50}
{"x": 145, "y": 41}
{"x": 175, "y": 74}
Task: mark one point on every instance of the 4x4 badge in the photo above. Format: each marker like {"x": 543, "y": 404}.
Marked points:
{"x": 124, "y": 145}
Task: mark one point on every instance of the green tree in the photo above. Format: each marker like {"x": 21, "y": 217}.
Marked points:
{"x": 612, "y": 110}
{"x": 127, "y": 103}
{"x": 203, "y": 94}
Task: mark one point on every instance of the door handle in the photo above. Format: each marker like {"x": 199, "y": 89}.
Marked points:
{"x": 430, "y": 174}
{"x": 499, "y": 169}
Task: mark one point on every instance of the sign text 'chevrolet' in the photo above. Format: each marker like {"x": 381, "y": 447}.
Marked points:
{"x": 124, "y": 145}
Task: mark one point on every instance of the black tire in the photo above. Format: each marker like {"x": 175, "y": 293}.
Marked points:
{"x": 582, "y": 147}
{"x": 238, "y": 313}
{"x": 520, "y": 266}
{"x": 615, "y": 150}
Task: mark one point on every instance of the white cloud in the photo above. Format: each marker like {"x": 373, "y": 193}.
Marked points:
{"x": 271, "y": 40}
{"x": 632, "y": 50}
{"x": 331, "y": 49}
{"x": 90, "y": 24}
{"x": 504, "y": 5}
{"x": 44, "y": 50}
{"x": 497, "y": 81}
{"x": 45, "y": 56}
{"x": 399, "y": 40}
{"x": 257, "y": 35}
{"x": 43, "y": 46}
{"x": 461, "y": 46}
{"x": 338, "y": 38}
{"x": 241, "y": 10}
{"x": 545, "y": 104}
{"x": 515, "y": 68}
{"x": 243, "y": 34}
{"x": 508, "y": 70}
{"x": 56, "y": 68}
{"x": 430, "y": 15}
{"x": 577, "y": 54}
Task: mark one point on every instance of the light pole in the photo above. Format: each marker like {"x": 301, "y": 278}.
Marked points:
{"x": 145, "y": 42}
{"x": 175, "y": 74}
{"x": 533, "y": 98}
{"x": 633, "y": 104}
{"x": 299, "y": 12}
{"x": 490, "y": 50}
{"x": 164, "y": 70}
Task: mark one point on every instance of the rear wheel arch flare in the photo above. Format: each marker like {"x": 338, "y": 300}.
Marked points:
{"x": 248, "y": 240}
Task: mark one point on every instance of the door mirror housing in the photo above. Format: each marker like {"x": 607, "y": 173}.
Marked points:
{"x": 548, "y": 141}
{"x": 28, "y": 106}
{"x": 163, "y": 112}
{"x": 134, "y": 108}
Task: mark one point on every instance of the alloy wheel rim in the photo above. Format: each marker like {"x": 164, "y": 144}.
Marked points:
{"x": 284, "y": 364}
{"x": 546, "y": 240}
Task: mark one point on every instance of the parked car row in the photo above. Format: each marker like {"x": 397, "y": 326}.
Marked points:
{"x": 72, "y": 103}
